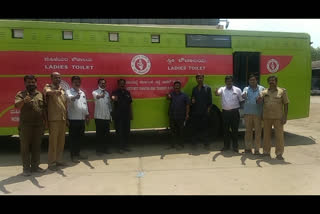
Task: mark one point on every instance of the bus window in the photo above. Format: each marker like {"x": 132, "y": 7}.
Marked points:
{"x": 208, "y": 41}
{"x": 67, "y": 35}
{"x": 17, "y": 33}
{"x": 114, "y": 37}
{"x": 155, "y": 38}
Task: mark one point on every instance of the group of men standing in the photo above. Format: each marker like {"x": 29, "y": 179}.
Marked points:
{"x": 55, "y": 109}
{"x": 267, "y": 107}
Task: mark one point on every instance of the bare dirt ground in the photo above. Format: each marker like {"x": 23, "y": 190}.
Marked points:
{"x": 152, "y": 169}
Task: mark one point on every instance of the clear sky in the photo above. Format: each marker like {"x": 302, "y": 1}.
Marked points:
{"x": 310, "y": 26}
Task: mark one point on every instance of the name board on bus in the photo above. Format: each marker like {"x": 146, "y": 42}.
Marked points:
{"x": 68, "y": 63}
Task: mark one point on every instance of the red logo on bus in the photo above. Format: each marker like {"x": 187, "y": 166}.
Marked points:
{"x": 140, "y": 64}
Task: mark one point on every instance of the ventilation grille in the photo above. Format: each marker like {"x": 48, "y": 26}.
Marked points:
{"x": 34, "y": 36}
{"x": 48, "y": 36}
{"x": 92, "y": 37}
{"x": 3, "y": 35}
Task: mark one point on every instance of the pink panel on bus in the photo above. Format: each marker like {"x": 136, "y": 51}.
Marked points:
{"x": 23, "y": 62}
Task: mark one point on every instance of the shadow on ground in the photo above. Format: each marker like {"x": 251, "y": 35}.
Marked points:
{"x": 20, "y": 178}
{"x": 143, "y": 144}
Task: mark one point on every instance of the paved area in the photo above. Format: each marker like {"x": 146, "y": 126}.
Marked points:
{"x": 152, "y": 169}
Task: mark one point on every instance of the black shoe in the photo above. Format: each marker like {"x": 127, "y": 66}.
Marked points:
{"x": 53, "y": 168}
{"x": 279, "y": 157}
{"x": 83, "y": 157}
{"x": 248, "y": 151}
{"x": 127, "y": 149}
{"x": 179, "y": 147}
{"x": 61, "y": 164}
{"x": 171, "y": 146}
{"x": 266, "y": 155}
{"x": 107, "y": 152}
{"x": 37, "y": 169}
{"x": 225, "y": 149}
{"x": 236, "y": 150}
{"x": 75, "y": 159}
{"x": 99, "y": 153}
{"x": 26, "y": 172}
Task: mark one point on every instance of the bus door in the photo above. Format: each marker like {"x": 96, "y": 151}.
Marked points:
{"x": 245, "y": 64}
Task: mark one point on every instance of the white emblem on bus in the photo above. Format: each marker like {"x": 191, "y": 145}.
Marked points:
{"x": 273, "y": 65}
{"x": 140, "y": 64}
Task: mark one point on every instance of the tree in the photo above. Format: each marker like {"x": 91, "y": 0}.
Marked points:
{"x": 315, "y": 53}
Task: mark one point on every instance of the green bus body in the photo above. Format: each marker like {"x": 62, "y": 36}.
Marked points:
{"x": 153, "y": 112}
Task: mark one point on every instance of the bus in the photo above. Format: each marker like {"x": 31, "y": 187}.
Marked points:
{"x": 150, "y": 58}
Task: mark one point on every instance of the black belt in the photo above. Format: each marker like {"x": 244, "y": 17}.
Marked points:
{"x": 235, "y": 109}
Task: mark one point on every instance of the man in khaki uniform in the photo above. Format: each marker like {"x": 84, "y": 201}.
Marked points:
{"x": 275, "y": 111}
{"x": 30, "y": 103}
{"x": 57, "y": 114}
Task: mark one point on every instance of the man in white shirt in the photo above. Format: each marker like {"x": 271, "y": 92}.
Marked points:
{"x": 102, "y": 116}
{"x": 77, "y": 115}
{"x": 230, "y": 98}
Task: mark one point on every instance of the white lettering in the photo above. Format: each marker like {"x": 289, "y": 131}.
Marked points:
{"x": 81, "y": 59}
{"x": 175, "y": 68}
{"x": 82, "y": 67}
{"x": 146, "y": 81}
{"x": 55, "y": 59}
{"x": 15, "y": 111}
{"x": 133, "y": 82}
{"x": 192, "y": 60}
{"x": 15, "y": 119}
{"x": 166, "y": 81}
{"x": 198, "y": 68}
{"x": 56, "y": 66}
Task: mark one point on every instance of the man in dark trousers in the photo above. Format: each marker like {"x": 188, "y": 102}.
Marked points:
{"x": 178, "y": 114}
{"x": 102, "y": 117}
{"x": 78, "y": 114}
{"x": 201, "y": 102}
{"x": 122, "y": 114}
{"x": 31, "y": 125}
{"x": 231, "y": 97}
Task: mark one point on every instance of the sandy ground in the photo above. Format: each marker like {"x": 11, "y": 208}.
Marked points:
{"x": 152, "y": 169}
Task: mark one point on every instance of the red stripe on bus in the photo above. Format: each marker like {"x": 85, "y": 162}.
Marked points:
{"x": 68, "y": 63}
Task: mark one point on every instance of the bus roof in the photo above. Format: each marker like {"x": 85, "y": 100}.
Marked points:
{"x": 192, "y": 29}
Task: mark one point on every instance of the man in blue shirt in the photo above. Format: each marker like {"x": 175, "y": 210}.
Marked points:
{"x": 252, "y": 114}
{"x": 178, "y": 113}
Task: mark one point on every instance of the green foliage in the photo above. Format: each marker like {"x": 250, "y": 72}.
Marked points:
{"x": 315, "y": 53}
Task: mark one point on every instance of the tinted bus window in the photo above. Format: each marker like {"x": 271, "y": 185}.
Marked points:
{"x": 208, "y": 41}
